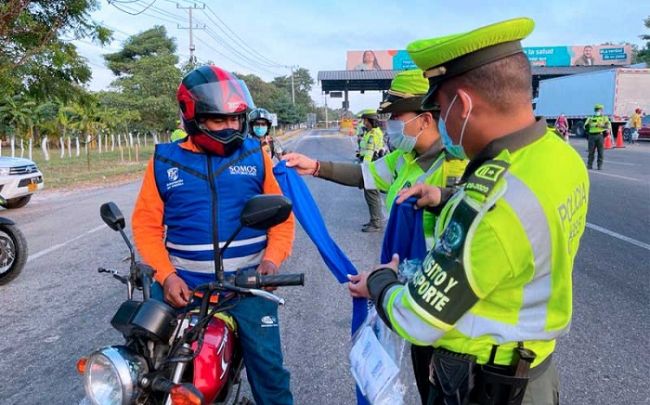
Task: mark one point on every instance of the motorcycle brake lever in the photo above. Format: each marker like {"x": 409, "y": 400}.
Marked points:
{"x": 266, "y": 295}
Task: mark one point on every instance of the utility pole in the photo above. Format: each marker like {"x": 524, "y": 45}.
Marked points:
{"x": 326, "y": 124}
{"x": 293, "y": 88}
{"x": 191, "y": 27}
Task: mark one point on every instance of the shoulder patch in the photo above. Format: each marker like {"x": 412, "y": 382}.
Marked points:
{"x": 485, "y": 178}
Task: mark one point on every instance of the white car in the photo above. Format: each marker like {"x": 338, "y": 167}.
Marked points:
{"x": 19, "y": 179}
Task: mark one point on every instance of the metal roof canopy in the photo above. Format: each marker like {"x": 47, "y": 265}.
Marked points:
{"x": 362, "y": 80}
{"x": 356, "y": 80}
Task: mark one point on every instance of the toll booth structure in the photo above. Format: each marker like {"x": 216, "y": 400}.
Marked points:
{"x": 379, "y": 80}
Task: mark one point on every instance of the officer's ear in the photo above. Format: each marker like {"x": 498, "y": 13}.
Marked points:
{"x": 466, "y": 102}
{"x": 427, "y": 120}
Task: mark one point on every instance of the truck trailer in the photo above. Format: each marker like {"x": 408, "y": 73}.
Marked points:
{"x": 619, "y": 90}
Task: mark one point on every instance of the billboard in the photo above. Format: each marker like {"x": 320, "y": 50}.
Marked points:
{"x": 583, "y": 55}
{"x": 379, "y": 60}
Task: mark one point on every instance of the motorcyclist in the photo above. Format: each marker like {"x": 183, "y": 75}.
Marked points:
{"x": 260, "y": 121}
{"x": 189, "y": 204}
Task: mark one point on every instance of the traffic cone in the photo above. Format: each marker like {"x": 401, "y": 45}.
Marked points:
{"x": 619, "y": 137}
{"x": 608, "y": 141}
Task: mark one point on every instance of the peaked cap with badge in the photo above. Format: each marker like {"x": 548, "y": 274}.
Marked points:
{"x": 446, "y": 57}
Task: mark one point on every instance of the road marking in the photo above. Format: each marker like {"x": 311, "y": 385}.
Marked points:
{"x": 619, "y": 236}
{"x": 60, "y": 245}
{"x": 615, "y": 162}
{"x": 621, "y": 163}
{"x": 617, "y": 176}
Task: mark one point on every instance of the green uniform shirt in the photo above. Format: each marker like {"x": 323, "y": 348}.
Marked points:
{"x": 501, "y": 268}
{"x": 399, "y": 169}
{"x": 597, "y": 124}
{"x": 372, "y": 141}
{"x": 177, "y": 135}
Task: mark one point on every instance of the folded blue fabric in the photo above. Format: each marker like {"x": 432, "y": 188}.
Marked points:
{"x": 404, "y": 233}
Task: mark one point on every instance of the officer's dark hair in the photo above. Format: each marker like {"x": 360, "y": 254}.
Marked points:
{"x": 373, "y": 122}
{"x": 505, "y": 84}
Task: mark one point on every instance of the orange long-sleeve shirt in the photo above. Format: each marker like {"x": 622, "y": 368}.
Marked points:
{"x": 149, "y": 231}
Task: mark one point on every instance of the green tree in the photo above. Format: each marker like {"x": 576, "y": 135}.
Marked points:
{"x": 288, "y": 114}
{"x": 644, "y": 54}
{"x": 264, "y": 94}
{"x": 34, "y": 56}
{"x": 302, "y": 82}
{"x": 147, "y": 79}
{"x": 16, "y": 111}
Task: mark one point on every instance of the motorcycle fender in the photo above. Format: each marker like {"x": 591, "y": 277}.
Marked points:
{"x": 214, "y": 362}
{"x": 6, "y": 221}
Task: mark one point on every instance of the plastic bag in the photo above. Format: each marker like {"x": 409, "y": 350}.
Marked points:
{"x": 376, "y": 357}
{"x": 407, "y": 269}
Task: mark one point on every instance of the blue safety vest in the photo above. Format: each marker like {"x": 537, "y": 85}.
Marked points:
{"x": 203, "y": 197}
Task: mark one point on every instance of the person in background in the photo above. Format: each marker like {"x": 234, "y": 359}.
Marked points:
{"x": 597, "y": 127}
{"x": 260, "y": 121}
{"x": 369, "y": 62}
{"x": 562, "y": 126}
{"x": 370, "y": 149}
{"x": 635, "y": 125}
{"x": 587, "y": 58}
{"x": 179, "y": 133}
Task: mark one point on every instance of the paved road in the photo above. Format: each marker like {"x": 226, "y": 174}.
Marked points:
{"x": 59, "y": 308}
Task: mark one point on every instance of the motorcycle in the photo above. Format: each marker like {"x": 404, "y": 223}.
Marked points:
{"x": 13, "y": 249}
{"x": 187, "y": 356}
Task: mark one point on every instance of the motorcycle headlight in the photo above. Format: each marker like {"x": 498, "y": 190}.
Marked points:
{"x": 112, "y": 376}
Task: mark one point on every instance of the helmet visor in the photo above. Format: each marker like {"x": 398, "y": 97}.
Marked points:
{"x": 224, "y": 97}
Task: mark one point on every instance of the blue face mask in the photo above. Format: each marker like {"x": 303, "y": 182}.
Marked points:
{"x": 397, "y": 138}
{"x": 453, "y": 150}
{"x": 259, "y": 130}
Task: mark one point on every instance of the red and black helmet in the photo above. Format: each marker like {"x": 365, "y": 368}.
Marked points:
{"x": 211, "y": 92}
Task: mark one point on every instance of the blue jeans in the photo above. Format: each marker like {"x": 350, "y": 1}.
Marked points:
{"x": 258, "y": 330}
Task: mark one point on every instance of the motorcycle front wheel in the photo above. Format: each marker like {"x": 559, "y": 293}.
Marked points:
{"x": 13, "y": 252}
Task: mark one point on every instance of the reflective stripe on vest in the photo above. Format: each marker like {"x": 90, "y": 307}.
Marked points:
{"x": 532, "y": 317}
{"x": 435, "y": 166}
{"x": 207, "y": 266}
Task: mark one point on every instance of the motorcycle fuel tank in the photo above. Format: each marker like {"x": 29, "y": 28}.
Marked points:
{"x": 214, "y": 362}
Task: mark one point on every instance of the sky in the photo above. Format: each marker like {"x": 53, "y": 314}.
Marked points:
{"x": 317, "y": 34}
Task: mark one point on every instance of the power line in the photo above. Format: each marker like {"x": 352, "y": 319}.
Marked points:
{"x": 114, "y": 2}
{"x": 257, "y": 57}
{"x": 243, "y": 43}
{"x": 248, "y": 62}
{"x": 245, "y": 66}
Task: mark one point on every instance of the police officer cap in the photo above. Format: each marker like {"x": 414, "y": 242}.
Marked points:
{"x": 446, "y": 57}
{"x": 369, "y": 113}
{"x": 599, "y": 107}
{"x": 405, "y": 94}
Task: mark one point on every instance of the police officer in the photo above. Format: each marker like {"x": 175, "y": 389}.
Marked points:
{"x": 597, "y": 126}
{"x": 418, "y": 158}
{"x": 372, "y": 139}
{"x": 494, "y": 293}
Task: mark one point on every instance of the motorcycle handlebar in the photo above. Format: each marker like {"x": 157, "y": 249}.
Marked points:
{"x": 256, "y": 281}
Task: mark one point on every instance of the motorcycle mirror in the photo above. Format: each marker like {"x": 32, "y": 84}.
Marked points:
{"x": 112, "y": 216}
{"x": 265, "y": 211}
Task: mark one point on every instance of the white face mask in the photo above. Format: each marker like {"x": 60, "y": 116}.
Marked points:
{"x": 397, "y": 138}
